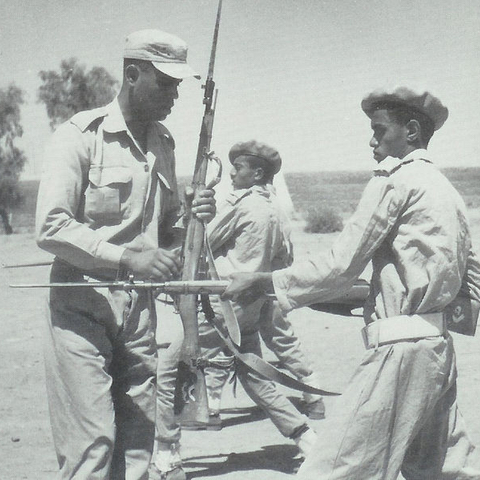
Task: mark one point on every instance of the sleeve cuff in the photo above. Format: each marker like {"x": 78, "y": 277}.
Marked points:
{"x": 108, "y": 255}
{"x": 279, "y": 285}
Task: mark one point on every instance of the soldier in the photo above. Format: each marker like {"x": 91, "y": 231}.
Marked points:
{"x": 399, "y": 412}
{"x": 275, "y": 328}
{"x": 107, "y": 192}
{"x": 249, "y": 232}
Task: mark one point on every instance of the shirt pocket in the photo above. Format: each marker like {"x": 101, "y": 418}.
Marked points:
{"x": 108, "y": 192}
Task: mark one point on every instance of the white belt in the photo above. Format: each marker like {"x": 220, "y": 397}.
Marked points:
{"x": 404, "y": 327}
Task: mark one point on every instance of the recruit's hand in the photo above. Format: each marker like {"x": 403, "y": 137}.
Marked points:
{"x": 248, "y": 287}
{"x": 203, "y": 207}
{"x": 157, "y": 264}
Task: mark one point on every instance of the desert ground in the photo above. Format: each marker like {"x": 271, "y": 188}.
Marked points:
{"x": 248, "y": 446}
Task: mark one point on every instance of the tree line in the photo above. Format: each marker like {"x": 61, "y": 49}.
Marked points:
{"x": 64, "y": 92}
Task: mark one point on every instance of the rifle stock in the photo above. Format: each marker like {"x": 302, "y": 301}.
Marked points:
{"x": 190, "y": 393}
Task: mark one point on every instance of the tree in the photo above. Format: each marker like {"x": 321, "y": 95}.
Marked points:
{"x": 12, "y": 159}
{"x": 73, "y": 89}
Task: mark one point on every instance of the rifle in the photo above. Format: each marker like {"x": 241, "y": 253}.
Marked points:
{"x": 35, "y": 264}
{"x": 177, "y": 287}
{"x": 190, "y": 392}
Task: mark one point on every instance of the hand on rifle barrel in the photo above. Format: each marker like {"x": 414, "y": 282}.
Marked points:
{"x": 247, "y": 287}
{"x": 158, "y": 264}
{"x": 203, "y": 207}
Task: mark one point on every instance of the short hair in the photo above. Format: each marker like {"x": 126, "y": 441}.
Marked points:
{"x": 402, "y": 114}
{"x": 259, "y": 162}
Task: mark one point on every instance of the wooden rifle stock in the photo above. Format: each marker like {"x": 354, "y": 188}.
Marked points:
{"x": 190, "y": 393}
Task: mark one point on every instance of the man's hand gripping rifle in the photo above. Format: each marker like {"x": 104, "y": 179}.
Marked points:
{"x": 190, "y": 395}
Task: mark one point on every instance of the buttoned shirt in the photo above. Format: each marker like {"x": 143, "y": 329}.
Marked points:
{"x": 412, "y": 224}
{"x": 100, "y": 193}
{"x": 249, "y": 233}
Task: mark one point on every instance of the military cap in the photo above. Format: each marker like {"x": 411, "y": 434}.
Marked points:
{"x": 167, "y": 52}
{"x": 253, "y": 148}
{"x": 421, "y": 101}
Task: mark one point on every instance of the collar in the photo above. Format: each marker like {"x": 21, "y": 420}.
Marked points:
{"x": 236, "y": 195}
{"x": 390, "y": 165}
{"x": 114, "y": 121}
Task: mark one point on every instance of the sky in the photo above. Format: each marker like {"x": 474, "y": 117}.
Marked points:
{"x": 290, "y": 73}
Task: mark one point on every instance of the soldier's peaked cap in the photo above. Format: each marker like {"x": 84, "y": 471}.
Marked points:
{"x": 419, "y": 100}
{"x": 167, "y": 52}
{"x": 253, "y": 148}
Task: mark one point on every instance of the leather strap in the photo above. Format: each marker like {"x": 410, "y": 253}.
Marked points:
{"x": 258, "y": 364}
{"x": 233, "y": 339}
{"x": 231, "y": 321}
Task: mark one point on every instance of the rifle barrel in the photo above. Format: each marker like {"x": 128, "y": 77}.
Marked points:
{"x": 22, "y": 265}
{"x": 193, "y": 287}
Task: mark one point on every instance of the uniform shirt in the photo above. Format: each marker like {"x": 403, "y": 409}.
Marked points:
{"x": 100, "y": 194}
{"x": 412, "y": 224}
{"x": 248, "y": 233}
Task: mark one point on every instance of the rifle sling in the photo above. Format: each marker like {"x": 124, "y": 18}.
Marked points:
{"x": 256, "y": 363}
{"x": 231, "y": 322}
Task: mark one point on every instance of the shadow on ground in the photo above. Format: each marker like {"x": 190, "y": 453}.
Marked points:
{"x": 240, "y": 416}
{"x": 278, "y": 458}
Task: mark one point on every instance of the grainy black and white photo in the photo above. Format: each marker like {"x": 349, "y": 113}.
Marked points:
{"x": 239, "y": 239}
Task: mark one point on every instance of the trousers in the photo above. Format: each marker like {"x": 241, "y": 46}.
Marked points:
{"x": 169, "y": 343}
{"x": 264, "y": 393}
{"x": 100, "y": 360}
{"x": 279, "y": 337}
{"x": 170, "y": 338}
{"x": 398, "y": 414}
{"x": 278, "y": 334}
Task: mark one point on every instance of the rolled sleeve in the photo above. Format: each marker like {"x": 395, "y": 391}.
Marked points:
{"x": 333, "y": 272}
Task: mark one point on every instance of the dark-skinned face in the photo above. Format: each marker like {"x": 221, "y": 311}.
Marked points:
{"x": 389, "y": 138}
{"x": 242, "y": 174}
{"x": 153, "y": 94}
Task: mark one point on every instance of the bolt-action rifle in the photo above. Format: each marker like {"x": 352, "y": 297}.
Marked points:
{"x": 190, "y": 395}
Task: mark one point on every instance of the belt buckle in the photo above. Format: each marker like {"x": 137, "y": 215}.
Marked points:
{"x": 364, "y": 332}
{"x": 367, "y": 334}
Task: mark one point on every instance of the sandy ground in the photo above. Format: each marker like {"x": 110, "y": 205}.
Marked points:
{"x": 248, "y": 447}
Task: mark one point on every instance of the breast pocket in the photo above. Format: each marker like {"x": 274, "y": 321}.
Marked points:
{"x": 106, "y": 197}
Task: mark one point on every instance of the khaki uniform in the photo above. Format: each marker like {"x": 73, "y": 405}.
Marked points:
{"x": 100, "y": 194}
{"x": 248, "y": 235}
{"x": 399, "y": 412}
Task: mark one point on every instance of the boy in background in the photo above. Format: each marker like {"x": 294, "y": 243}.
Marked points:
{"x": 251, "y": 233}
